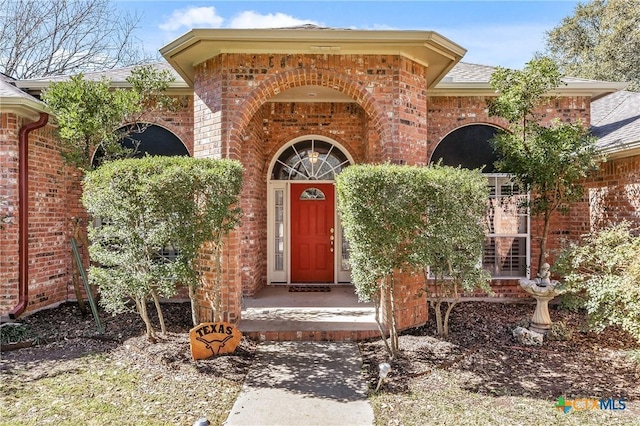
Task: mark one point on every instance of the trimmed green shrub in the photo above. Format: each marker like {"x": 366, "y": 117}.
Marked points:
{"x": 147, "y": 205}
{"x": 412, "y": 218}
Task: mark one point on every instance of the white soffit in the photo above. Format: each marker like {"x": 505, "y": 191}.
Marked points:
{"x": 428, "y": 48}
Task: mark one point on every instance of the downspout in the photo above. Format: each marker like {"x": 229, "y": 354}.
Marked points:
{"x": 23, "y": 207}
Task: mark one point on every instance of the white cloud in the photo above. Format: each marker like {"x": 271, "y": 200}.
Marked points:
{"x": 193, "y": 17}
{"x": 251, "y": 19}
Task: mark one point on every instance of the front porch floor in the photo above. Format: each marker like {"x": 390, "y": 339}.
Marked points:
{"x": 275, "y": 314}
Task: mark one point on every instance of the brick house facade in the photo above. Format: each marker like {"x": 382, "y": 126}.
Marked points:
{"x": 277, "y": 100}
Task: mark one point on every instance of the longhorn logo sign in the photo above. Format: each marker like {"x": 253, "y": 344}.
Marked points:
{"x": 212, "y": 339}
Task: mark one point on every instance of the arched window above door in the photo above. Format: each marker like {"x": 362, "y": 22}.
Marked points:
{"x": 309, "y": 159}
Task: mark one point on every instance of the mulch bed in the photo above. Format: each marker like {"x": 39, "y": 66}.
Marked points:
{"x": 480, "y": 342}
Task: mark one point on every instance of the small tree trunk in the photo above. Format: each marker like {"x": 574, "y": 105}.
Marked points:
{"x": 156, "y": 301}
{"x": 194, "y": 306}
{"x": 392, "y": 307}
{"x": 141, "y": 304}
{"x": 450, "y": 306}
{"x": 376, "y": 304}
{"x": 543, "y": 240}
{"x": 438, "y": 311}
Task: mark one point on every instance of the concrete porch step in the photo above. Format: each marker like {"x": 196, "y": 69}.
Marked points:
{"x": 276, "y": 314}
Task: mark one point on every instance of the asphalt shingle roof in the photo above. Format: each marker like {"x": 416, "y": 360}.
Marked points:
{"x": 615, "y": 120}
{"x": 8, "y": 89}
{"x": 117, "y": 75}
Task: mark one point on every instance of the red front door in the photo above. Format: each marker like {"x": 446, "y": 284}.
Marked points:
{"x": 312, "y": 232}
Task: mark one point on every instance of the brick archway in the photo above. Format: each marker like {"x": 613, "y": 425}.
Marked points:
{"x": 302, "y": 77}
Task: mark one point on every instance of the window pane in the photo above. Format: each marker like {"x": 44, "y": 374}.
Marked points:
{"x": 312, "y": 194}
{"x": 309, "y": 160}
{"x": 279, "y": 230}
{"x": 506, "y": 226}
{"x": 505, "y": 256}
{"x": 344, "y": 260}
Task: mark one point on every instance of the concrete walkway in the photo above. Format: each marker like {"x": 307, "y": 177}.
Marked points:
{"x": 304, "y": 383}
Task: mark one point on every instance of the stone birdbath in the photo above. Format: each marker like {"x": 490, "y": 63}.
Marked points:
{"x": 543, "y": 290}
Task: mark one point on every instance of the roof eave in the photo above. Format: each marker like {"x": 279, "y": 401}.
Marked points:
{"x": 426, "y": 47}
{"x": 621, "y": 150}
{"x": 24, "y": 107}
{"x": 593, "y": 90}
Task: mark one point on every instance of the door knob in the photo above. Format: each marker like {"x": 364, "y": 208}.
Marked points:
{"x": 331, "y": 230}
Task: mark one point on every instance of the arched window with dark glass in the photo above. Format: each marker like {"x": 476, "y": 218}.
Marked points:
{"x": 147, "y": 139}
{"x": 507, "y": 241}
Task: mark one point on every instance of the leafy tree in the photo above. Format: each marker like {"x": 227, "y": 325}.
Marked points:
{"x": 45, "y": 38}
{"x": 600, "y": 41}
{"x": 605, "y": 268}
{"x": 375, "y": 207}
{"x": 89, "y": 113}
{"x": 548, "y": 160}
{"x": 202, "y": 213}
{"x": 400, "y": 218}
{"x": 149, "y": 204}
{"x": 449, "y": 245}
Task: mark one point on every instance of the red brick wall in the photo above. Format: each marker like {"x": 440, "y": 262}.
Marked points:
{"x": 447, "y": 113}
{"x": 411, "y": 300}
{"x": 391, "y": 118}
{"x": 254, "y": 206}
{"x": 9, "y": 128}
{"x": 612, "y": 195}
{"x": 409, "y": 121}
{"x": 52, "y": 202}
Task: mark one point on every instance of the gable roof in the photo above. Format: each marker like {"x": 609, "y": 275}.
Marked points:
{"x": 12, "y": 99}
{"x": 429, "y": 48}
{"x": 615, "y": 121}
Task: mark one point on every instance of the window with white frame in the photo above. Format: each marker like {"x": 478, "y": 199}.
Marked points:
{"x": 506, "y": 245}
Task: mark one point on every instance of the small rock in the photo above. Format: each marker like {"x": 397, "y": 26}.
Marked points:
{"x": 527, "y": 337}
{"x": 559, "y": 331}
{"x": 524, "y": 323}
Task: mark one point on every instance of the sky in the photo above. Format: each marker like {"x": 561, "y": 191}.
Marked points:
{"x": 503, "y": 33}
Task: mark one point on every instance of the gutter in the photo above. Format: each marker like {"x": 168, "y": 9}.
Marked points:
{"x": 23, "y": 206}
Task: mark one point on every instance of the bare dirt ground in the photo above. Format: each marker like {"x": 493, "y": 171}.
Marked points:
{"x": 480, "y": 350}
